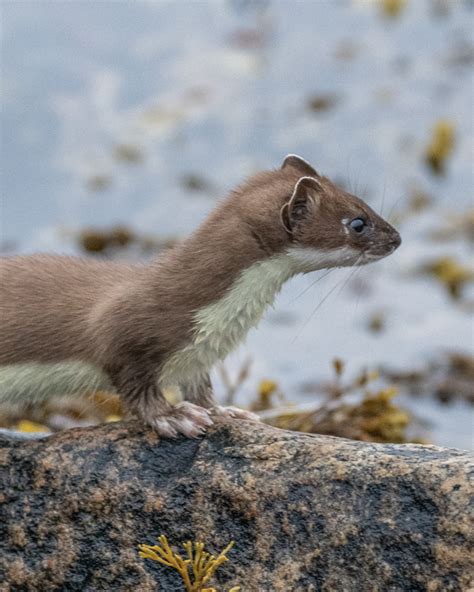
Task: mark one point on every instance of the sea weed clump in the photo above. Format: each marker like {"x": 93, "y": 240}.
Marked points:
{"x": 196, "y": 568}
{"x": 392, "y": 8}
{"x": 451, "y": 274}
{"x": 114, "y": 241}
{"x": 349, "y": 409}
{"x": 441, "y": 146}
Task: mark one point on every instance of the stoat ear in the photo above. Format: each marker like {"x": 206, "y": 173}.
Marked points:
{"x": 305, "y": 196}
{"x": 298, "y": 163}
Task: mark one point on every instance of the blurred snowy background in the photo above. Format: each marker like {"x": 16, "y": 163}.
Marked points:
{"x": 140, "y": 115}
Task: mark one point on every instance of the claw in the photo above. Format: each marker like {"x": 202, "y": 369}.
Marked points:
{"x": 195, "y": 411}
{"x": 235, "y": 413}
{"x": 185, "y": 418}
{"x": 163, "y": 427}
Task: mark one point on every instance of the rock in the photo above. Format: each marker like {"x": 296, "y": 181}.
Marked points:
{"x": 307, "y": 513}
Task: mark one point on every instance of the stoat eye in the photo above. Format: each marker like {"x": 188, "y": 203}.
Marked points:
{"x": 357, "y": 224}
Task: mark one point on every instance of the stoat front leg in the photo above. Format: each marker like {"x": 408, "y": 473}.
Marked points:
{"x": 202, "y": 394}
{"x": 143, "y": 398}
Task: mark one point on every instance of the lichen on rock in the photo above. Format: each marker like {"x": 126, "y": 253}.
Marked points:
{"x": 306, "y": 512}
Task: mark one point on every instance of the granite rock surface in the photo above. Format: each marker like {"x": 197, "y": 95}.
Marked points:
{"x": 306, "y": 512}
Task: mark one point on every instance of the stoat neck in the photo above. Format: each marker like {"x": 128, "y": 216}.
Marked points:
{"x": 223, "y": 324}
{"x": 207, "y": 264}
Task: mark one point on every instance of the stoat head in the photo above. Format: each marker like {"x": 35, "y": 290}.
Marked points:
{"x": 319, "y": 224}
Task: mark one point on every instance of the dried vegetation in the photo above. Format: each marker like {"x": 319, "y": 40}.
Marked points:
{"x": 363, "y": 407}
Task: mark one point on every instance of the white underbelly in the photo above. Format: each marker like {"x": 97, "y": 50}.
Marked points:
{"x": 192, "y": 363}
{"x": 223, "y": 325}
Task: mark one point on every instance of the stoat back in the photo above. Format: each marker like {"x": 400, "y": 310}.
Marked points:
{"x": 44, "y": 301}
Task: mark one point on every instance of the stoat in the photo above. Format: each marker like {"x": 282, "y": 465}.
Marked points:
{"x": 147, "y": 327}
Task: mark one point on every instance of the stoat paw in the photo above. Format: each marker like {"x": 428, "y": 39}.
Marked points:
{"x": 185, "y": 418}
{"x": 235, "y": 412}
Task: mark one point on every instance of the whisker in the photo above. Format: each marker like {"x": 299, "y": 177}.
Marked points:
{"x": 357, "y": 183}
{"x": 355, "y": 271}
{"x": 343, "y": 281}
{"x": 357, "y": 298}
{"x": 316, "y": 309}
{"x": 383, "y": 196}
{"x": 349, "y": 174}
{"x": 393, "y": 207}
{"x": 313, "y": 283}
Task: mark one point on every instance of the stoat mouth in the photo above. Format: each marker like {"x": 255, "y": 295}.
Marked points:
{"x": 308, "y": 259}
{"x": 371, "y": 256}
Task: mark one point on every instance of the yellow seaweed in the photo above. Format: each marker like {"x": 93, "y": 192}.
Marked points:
{"x": 31, "y": 427}
{"x": 441, "y": 146}
{"x": 266, "y": 390}
{"x": 451, "y": 274}
{"x": 392, "y": 8}
{"x": 196, "y": 569}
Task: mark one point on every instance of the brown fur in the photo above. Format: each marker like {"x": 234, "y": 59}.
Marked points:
{"x": 129, "y": 319}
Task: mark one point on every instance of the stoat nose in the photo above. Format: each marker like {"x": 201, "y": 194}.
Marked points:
{"x": 395, "y": 240}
